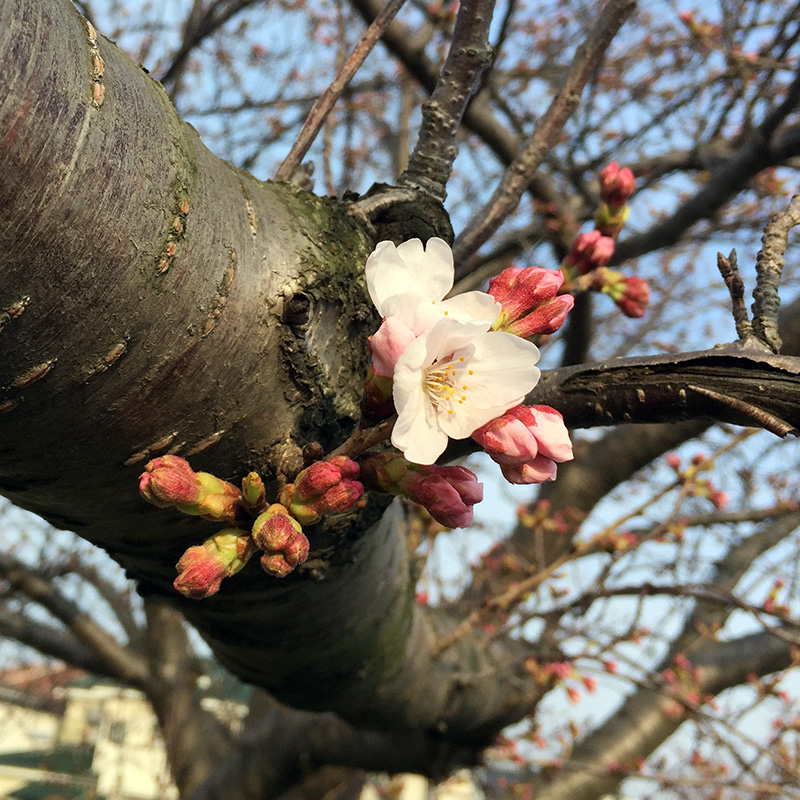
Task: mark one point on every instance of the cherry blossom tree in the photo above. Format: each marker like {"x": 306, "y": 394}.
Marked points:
{"x": 522, "y": 207}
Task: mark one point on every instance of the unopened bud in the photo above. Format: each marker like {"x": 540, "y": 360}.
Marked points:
{"x": 616, "y": 185}
{"x": 202, "y": 568}
{"x": 529, "y": 301}
{"x": 448, "y": 493}
{"x": 169, "y": 481}
{"x": 323, "y": 488}
{"x": 629, "y": 292}
{"x": 527, "y": 442}
{"x": 281, "y": 538}
{"x": 253, "y": 492}
{"x": 589, "y": 252}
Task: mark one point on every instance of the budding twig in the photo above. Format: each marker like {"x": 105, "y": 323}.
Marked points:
{"x": 769, "y": 265}
{"x": 520, "y": 172}
{"x": 729, "y": 269}
{"x": 326, "y": 101}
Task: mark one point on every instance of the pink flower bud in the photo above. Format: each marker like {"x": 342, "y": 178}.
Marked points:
{"x": 616, "y": 185}
{"x": 281, "y": 538}
{"x": 202, "y": 568}
{"x": 323, "y": 488}
{"x": 719, "y": 499}
{"x": 590, "y": 251}
{"x": 630, "y": 293}
{"x": 537, "y": 470}
{"x": 527, "y": 442}
{"x": 546, "y": 319}
{"x": 448, "y": 493}
{"x": 519, "y": 290}
{"x": 529, "y": 301}
{"x": 170, "y": 481}
{"x": 635, "y": 298}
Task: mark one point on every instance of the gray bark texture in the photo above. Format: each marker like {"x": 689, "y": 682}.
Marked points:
{"x": 156, "y": 300}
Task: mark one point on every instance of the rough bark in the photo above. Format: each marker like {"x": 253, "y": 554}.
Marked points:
{"x": 162, "y": 301}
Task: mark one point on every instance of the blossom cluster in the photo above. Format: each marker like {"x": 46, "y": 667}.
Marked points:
{"x": 442, "y": 368}
{"x": 460, "y": 367}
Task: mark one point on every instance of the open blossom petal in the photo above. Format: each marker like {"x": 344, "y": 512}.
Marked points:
{"x": 453, "y": 379}
{"x": 392, "y": 270}
{"x": 419, "y": 313}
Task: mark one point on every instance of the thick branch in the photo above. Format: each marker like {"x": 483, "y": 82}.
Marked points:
{"x": 726, "y": 384}
{"x": 188, "y": 729}
{"x": 300, "y": 742}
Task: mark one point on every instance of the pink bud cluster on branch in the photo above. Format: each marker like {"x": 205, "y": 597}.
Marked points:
{"x": 448, "y": 493}
{"x": 276, "y": 531}
{"x": 592, "y": 251}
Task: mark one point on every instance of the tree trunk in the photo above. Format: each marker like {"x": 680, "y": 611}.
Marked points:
{"x": 158, "y": 300}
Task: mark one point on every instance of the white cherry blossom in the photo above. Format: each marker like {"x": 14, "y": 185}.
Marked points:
{"x": 454, "y": 378}
{"x": 407, "y": 284}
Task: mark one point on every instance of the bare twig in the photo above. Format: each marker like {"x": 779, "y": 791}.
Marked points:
{"x": 470, "y": 53}
{"x": 521, "y": 170}
{"x": 322, "y": 107}
{"x": 729, "y": 269}
{"x": 769, "y": 265}
{"x": 125, "y": 664}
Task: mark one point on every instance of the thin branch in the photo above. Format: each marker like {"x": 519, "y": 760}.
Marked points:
{"x": 50, "y": 641}
{"x": 121, "y": 661}
{"x": 118, "y": 599}
{"x": 769, "y": 266}
{"x": 519, "y": 173}
{"x": 431, "y": 162}
{"x": 729, "y": 269}
{"x": 326, "y": 101}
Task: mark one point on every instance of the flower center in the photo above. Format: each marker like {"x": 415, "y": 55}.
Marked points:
{"x": 445, "y": 383}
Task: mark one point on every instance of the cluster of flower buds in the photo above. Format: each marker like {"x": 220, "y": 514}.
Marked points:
{"x": 700, "y": 487}
{"x": 527, "y": 442}
{"x": 591, "y": 252}
{"x": 447, "y": 493}
{"x": 323, "y": 488}
{"x": 530, "y": 301}
{"x": 280, "y": 536}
